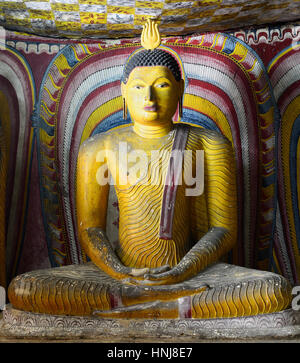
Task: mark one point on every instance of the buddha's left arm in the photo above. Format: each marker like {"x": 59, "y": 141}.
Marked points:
{"x": 221, "y": 205}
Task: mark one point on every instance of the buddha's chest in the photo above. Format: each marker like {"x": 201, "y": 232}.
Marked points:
{"x": 133, "y": 166}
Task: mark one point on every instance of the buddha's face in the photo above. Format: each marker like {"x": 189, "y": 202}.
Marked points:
{"x": 152, "y": 95}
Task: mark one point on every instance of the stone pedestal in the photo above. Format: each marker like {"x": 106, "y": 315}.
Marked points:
{"x": 19, "y": 324}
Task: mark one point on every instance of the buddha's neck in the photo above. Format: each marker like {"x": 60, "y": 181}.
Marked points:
{"x": 153, "y": 131}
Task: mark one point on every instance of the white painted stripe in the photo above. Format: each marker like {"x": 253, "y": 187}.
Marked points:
{"x": 291, "y": 76}
{"x": 257, "y": 70}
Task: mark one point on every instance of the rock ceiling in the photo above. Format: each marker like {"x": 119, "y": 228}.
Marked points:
{"x": 123, "y": 18}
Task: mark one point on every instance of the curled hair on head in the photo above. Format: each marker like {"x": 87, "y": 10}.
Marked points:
{"x": 148, "y": 58}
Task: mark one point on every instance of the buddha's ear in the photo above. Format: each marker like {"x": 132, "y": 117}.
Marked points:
{"x": 181, "y": 86}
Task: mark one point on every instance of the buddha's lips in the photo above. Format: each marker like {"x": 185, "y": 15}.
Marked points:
{"x": 150, "y": 108}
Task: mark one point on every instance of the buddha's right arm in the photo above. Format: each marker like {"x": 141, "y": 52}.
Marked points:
{"x": 92, "y": 189}
{"x": 99, "y": 249}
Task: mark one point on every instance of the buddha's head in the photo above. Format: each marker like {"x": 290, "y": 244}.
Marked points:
{"x": 152, "y": 84}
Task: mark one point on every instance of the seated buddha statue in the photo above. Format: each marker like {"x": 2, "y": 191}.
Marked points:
{"x": 172, "y": 236}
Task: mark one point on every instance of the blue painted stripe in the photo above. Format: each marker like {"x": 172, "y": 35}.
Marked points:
{"x": 110, "y": 122}
{"x": 199, "y": 119}
{"x": 69, "y": 53}
{"x": 47, "y": 128}
{"x": 53, "y": 198}
{"x": 265, "y": 107}
{"x": 269, "y": 180}
{"x": 189, "y": 116}
{"x": 230, "y": 44}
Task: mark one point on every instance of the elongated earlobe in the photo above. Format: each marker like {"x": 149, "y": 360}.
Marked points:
{"x": 180, "y": 101}
{"x": 180, "y": 107}
{"x": 124, "y": 109}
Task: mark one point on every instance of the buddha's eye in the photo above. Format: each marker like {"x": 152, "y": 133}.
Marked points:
{"x": 138, "y": 86}
{"x": 162, "y": 85}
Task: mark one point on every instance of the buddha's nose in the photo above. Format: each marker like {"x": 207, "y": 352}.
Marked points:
{"x": 149, "y": 94}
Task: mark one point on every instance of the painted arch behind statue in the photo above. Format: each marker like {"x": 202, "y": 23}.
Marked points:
{"x": 227, "y": 89}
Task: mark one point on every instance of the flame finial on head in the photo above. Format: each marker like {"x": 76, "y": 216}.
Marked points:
{"x": 150, "y": 38}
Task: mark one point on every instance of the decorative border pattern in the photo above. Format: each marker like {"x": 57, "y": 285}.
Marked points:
{"x": 268, "y": 35}
{"x": 282, "y": 324}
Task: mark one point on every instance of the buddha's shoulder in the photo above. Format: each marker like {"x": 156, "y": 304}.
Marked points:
{"x": 202, "y": 135}
{"x": 105, "y": 139}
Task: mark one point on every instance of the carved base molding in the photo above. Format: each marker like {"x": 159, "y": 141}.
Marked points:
{"x": 20, "y": 324}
